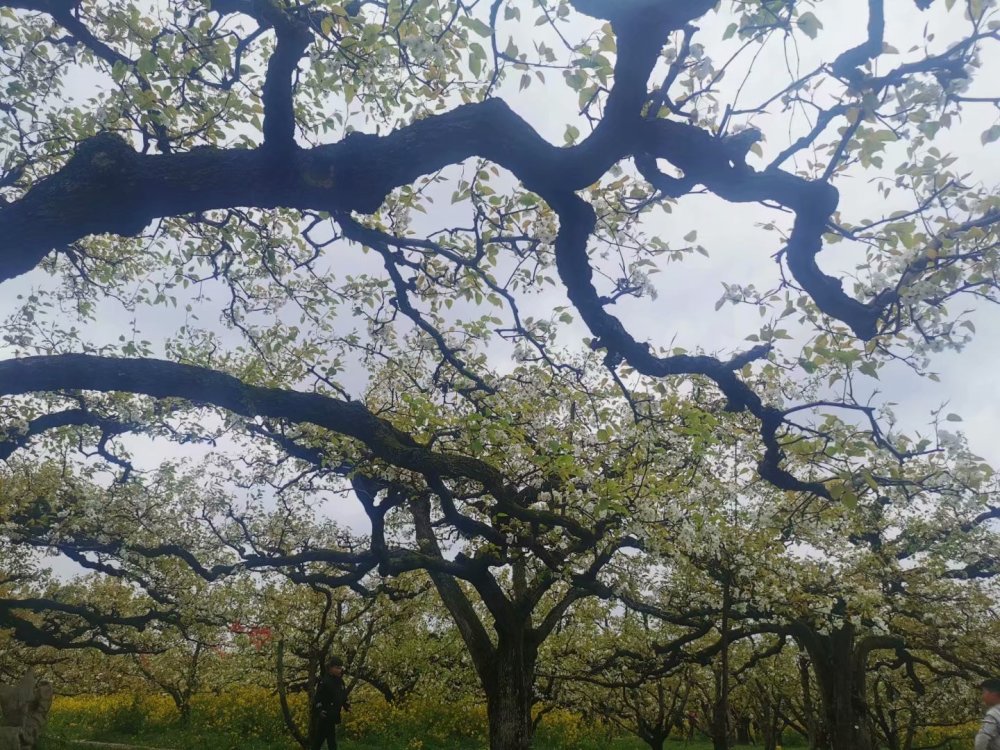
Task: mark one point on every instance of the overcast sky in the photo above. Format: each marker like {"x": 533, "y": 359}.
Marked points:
{"x": 738, "y": 250}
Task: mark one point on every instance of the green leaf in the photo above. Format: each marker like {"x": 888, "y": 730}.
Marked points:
{"x": 953, "y": 418}
{"x": 146, "y": 63}
{"x": 870, "y": 369}
{"x": 869, "y": 479}
{"x": 691, "y": 236}
{"x": 809, "y": 24}
{"x": 479, "y": 27}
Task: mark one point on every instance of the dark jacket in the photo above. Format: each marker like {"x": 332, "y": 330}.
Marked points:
{"x": 331, "y": 698}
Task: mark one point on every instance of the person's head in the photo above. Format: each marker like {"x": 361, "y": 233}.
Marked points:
{"x": 335, "y": 666}
{"x": 991, "y": 691}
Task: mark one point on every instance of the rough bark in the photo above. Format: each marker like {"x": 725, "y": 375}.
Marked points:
{"x": 509, "y": 686}
{"x": 24, "y": 710}
{"x": 286, "y": 711}
{"x": 839, "y": 668}
{"x": 720, "y": 715}
{"x": 808, "y": 709}
{"x": 655, "y": 740}
{"x": 162, "y": 379}
{"x": 742, "y": 727}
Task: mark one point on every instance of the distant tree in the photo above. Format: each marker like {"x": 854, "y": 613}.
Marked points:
{"x": 306, "y": 625}
{"x": 898, "y": 570}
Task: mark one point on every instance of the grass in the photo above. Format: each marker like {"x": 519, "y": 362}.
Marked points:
{"x": 181, "y": 740}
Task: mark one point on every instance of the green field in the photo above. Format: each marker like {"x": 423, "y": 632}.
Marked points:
{"x": 196, "y": 741}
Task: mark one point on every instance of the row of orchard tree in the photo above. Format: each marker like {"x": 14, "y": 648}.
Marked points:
{"x": 652, "y": 578}
{"x": 604, "y": 663}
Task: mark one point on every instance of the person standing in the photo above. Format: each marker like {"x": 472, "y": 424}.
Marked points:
{"x": 330, "y": 700}
{"x": 988, "y": 737}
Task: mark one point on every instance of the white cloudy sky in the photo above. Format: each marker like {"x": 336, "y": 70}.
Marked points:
{"x": 739, "y": 251}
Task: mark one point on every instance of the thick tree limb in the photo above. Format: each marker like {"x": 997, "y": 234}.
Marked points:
{"x": 108, "y": 188}
{"x": 847, "y": 64}
{"x": 94, "y": 617}
{"x": 294, "y": 37}
{"x": 62, "y": 12}
{"x": 65, "y": 625}
{"x": 577, "y": 221}
{"x": 703, "y": 161}
{"x": 54, "y": 420}
{"x": 671, "y": 14}
{"x": 162, "y": 379}
{"x": 454, "y": 599}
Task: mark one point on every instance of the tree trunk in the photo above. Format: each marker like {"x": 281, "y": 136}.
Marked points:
{"x": 770, "y": 737}
{"x": 181, "y": 702}
{"x": 506, "y": 670}
{"x": 808, "y": 709}
{"x": 770, "y": 723}
{"x": 509, "y": 686}
{"x": 841, "y": 680}
{"x": 720, "y": 712}
{"x": 302, "y": 738}
{"x": 743, "y": 730}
